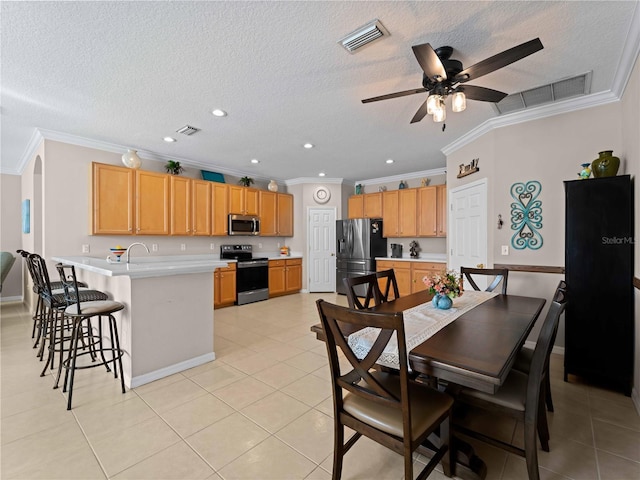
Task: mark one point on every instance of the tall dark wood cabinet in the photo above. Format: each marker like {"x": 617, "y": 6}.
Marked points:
{"x": 599, "y": 319}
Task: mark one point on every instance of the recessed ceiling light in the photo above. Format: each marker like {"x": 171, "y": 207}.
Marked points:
{"x": 219, "y": 113}
{"x": 308, "y": 145}
{"x": 321, "y": 174}
{"x": 255, "y": 160}
{"x": 390, "y": 160}
{"x": 169, "y": 139}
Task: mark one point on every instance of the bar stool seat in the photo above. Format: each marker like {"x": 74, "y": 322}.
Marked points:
{"x": 86, "y": 338}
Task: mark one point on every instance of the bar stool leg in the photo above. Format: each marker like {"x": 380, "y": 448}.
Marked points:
{"x": 70, "y": 364}
{"x": 113, "y": 326}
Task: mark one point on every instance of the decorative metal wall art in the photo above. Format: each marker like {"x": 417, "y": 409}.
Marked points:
{"x": 526, "y": 215}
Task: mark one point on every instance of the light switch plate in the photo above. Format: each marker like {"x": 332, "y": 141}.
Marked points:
{"x": 183, "y": 246}
{"x": 505, "y": 249}
{"x": 86, "y": 248}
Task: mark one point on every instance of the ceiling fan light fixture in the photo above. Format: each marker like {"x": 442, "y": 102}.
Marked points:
{"x": 432, "y": 101}
{"x": 440, "y": 112}
{"x": 458, "y": 102}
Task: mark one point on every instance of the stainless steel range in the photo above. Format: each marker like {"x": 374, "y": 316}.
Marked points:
{"x": 252, "y": 274}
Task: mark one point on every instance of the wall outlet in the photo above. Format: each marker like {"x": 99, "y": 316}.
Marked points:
{"x": 183, "y": 246}
{"x": 505, "y": 249}
{"x": 154, "y": 247}
{"x": 86, "y": 248}
{"x": 259, "y": 245}
{"x": 212, "y": 246}
{"x": 278, "y": 245}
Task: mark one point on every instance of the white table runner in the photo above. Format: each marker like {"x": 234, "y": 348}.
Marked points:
{"x": 420, "y": 323}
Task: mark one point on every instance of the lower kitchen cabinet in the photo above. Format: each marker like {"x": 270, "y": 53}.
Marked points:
{"x": 402, "y": 271}
{"x": 285, "y": 276}
{"x": 224, "y": 286}
{"x": 409, "y": 273}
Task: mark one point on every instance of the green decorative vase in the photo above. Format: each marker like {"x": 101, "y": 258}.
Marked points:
{"x": 606, "y": 165}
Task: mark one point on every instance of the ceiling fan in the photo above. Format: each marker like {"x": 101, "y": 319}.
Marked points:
{"x": 444, "y": 76}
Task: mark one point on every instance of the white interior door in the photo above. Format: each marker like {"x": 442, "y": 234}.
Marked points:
{"x": 322, "y": 249}
{"x": 468, "y": 226}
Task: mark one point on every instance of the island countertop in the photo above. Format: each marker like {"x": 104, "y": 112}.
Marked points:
{"x": 147, "y": 266}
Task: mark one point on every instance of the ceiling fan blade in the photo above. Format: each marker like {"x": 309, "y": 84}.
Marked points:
{"x": 394, "y": 95}
{"x": 482, "y": 94}
{"x": 500, "y": 60}
{"x": 422, "y": 111}
{"x": 430, "y": 62}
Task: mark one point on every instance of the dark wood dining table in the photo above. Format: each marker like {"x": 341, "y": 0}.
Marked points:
{"x": 477, "y": 350}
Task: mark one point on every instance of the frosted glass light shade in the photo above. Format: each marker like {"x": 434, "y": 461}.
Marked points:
{"x": 458, "y": 102}
{"x": 432, "y": 101}
{"x": 131, "y": 159}
{"x": 440, "y": 112}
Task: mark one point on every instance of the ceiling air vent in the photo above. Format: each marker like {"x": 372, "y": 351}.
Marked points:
{"x": 363, "y": 35}
{"x": 188, "y": 130}
{"x": 552, "y": 92}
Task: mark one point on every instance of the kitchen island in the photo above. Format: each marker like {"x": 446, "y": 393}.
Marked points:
{"x": 167, "y": 324}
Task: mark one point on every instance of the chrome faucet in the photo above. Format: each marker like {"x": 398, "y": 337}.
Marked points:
{"x": 134, "y": 244}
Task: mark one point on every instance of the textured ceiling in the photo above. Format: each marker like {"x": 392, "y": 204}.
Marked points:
{"x": 130, "y": 73}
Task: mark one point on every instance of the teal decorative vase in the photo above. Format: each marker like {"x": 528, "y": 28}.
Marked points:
{"x": 442, "y": 302}
{"x": 606, "y": 165}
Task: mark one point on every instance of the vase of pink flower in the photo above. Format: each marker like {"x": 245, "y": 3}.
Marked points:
{"x": 445, "y": 287}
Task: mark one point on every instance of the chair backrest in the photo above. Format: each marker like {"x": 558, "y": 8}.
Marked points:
{"x": 358, "y": 380}
{"x": 389, "y": 285}
{"x": 544, "y": 345}
{"x": 70, "y": 285}
{"x": 499, "y": 274}
{"x": 40, "y": 276}
{"x": 365, "y": 287}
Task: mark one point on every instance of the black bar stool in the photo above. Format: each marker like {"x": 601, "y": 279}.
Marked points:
{"x": 80, "y": 313}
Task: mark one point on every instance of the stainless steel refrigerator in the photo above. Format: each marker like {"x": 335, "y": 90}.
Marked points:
{"x": 359, "y": 241}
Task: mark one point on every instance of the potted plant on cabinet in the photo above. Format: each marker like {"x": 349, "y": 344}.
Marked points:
{"x": 246, "y": 181}
{"x": 174, "y": 167}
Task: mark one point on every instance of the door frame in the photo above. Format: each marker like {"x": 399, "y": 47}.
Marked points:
{"x": 309, "y": 263}
{"x": 450, "y": 240}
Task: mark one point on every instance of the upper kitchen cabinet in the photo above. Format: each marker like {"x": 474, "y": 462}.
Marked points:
{"x": 243, "y": 200}
{"x": 180, "y": 205}
{"x": 152, "y": 204}
{"x": 276, "y": 214}
{"x": 399, "y": 213}
{"x": 441, "y": 213}
{"x": 367, "y": 205}
{"x": 220, "y": 195}
{"x": 201, "y": 210}
{"x": 112, "y": 200}
{"x": 427, "y": 212}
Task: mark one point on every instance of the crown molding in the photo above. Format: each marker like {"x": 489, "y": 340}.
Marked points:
{"x": 307, "y": 180}
{"x": 29, "y": 151}
{"x": 629, "y": 55}
{"x": 410, "y": 176}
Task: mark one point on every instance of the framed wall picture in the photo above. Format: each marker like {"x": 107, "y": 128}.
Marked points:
{"x": 26, "y": 216}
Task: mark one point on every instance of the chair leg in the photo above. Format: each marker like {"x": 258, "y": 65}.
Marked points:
{"x": 71, "y": 362}
{"x": 408, "y": 462}
{"x": 449, "y": 460}
{"x": 531, "y": 450}
{"x": 543, "y": 427}
{"x": 115, "y": 344}
{"x": 338, "y": 450}
{"x": 51, "y": 329}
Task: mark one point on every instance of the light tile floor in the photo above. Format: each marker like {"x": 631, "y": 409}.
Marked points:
{"x": 262, "y": 410}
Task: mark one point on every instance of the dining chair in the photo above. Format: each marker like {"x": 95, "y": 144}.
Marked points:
{"x": 521, "y": 396}
{"x": 500, "y": 275}
{"x": 392, "y": 410}
{"x": 363, "y": 292}
{"x": 387, "y": 285}
{"x": 525, "y": 356}
{"x": 81, "y": 313}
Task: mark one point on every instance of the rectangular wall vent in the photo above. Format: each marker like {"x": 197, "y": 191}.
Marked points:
{"x": 188, "y": 130}
{"x": 363, "y": 36}
{"x": 552, "y": 92}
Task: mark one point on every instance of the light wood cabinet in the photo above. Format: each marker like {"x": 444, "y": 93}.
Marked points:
{"x": 285, "y": 276}
{"x": 152, "y": 204}
{"x": 421, "y": 269}
{"x": 442, "y": 209}
{"x": 409, "y": 273}
{"x": 201, "y": 207}
{"x": 366, "y": 205}
{"x": 276, "y": 214}
{"x": 355, "y": 206}
{"x": 224, "y": 286}
{"x": 285, "y": 215}
{"x": 427, "y": 212}
{"x": 180, "y": 205}
{"x": 390, "y": 223}
{"x": 220, "y": 195}
{"x": 112, "y": 200}
{"x": 402, "y": 272}
{"x": 243, "y": 200}
{"x": 399, "y": 213}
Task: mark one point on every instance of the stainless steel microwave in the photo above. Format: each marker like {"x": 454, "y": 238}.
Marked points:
{"x": 243, "y": 224}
